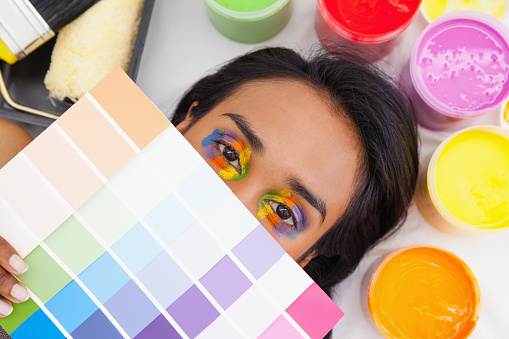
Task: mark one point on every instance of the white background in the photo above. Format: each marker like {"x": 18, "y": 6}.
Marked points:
{"x": 182, "y": 46}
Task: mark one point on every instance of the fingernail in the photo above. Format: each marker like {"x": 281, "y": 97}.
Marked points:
{"x": 5, "y": 308}
{"x": 18, "y": 264}
{"x": 20, "y": 293}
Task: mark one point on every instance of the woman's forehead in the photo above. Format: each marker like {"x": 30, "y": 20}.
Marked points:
{"x": 289, "y": 111}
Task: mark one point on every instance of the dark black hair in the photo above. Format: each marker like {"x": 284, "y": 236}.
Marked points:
{"x": 383, "y": 120}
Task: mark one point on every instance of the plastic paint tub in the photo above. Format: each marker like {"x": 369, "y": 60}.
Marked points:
{"x": 466, "y": 187}
{"x": 249, "y": 21}
{"x": 424, "y": 292}
{"x": 368, "y": 25}
{"x": 459, "y": 68}
{"x": 433, "y": 9}
{"x": 504, "y": 115}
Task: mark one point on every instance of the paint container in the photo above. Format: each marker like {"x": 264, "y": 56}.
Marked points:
{"x": 424, "y": 292}
{"x": 466, "y": 187}
{"x": 459, "y": 68}
{"x": 249, "y": 21}
{"x": 503, "y": 115}
{"x": 372, "y": 28}
{"x": 433, "y": 9}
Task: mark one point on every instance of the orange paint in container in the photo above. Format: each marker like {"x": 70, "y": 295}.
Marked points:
{"x": 423, "y": 292}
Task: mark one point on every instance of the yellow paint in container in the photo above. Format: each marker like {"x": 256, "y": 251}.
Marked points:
{"x": 472, "y": 179}
{"x": 432, "y": 9}
{"x": 466, "y": 187}
{"x": 424, "y": 292}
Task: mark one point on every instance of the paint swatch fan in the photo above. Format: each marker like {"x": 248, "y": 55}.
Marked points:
{"x": 123, "y": 242}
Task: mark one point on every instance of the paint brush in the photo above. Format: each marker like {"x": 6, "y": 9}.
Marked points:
{"x": 27, "y": 24}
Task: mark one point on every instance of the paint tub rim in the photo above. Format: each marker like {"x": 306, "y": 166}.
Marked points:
{"x": 450, "y": 255}
{"x": 247, "y": 16}
{"x": 485, "y": 19}
{"x": 349, "y": 34}
{"x": 428, "y": 20}
{"x": 502, "y": 120}
{"x": 249, "y": 27}
{"x": 448, "y": 222}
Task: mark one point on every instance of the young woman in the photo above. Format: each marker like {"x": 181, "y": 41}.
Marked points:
{"x": 322, "y": 150}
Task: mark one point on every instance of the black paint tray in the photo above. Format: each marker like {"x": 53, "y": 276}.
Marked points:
{"x": 25, "y": 79}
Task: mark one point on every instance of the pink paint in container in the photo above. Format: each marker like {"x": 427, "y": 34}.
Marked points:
{"x": 459, "y": 68}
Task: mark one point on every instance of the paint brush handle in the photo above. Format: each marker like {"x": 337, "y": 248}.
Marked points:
{"x": 58, "y": 13}
{"x": 27, "y": 24}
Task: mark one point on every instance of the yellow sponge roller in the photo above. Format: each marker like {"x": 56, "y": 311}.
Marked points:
{"x": 91, "y": 46}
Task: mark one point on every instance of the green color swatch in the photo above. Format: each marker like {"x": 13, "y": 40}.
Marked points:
{"x": 20, "y": 313}
{"x": 107, "y": 215}
{"x": 246, "y": 6}
{"x": 44, "y": 277}
{"x": 74, "y": 245}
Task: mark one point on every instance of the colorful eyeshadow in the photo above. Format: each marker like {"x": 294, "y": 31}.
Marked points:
{"x": 269, "y": 208}
{"x": 222, "y": 144}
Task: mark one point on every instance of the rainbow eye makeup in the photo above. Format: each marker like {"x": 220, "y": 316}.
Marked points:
{"x": 227, "y": 153}
{"x": 284, "y": 212}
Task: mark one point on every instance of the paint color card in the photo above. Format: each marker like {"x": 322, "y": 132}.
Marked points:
{"x": 128, "y": 233}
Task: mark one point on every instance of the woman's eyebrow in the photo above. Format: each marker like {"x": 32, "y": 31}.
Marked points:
{"x": 297, "y": 187}
{"x": 245, "y": 128}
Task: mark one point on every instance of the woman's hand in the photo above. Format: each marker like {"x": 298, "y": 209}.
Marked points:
{"x": 10, "y": 288}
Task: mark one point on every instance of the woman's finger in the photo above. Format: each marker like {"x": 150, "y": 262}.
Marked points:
{"x": 11, "y": 288}
{"x": 10, "y": 259}
{"x": 5, "y": 307}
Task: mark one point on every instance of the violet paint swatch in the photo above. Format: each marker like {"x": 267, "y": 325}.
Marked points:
{"x": 129, "y": 234}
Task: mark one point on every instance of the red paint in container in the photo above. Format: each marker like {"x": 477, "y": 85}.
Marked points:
{"x": 372, "y": 23}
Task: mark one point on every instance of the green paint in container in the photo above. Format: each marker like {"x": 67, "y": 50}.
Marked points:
{"x": 249, "y": 21}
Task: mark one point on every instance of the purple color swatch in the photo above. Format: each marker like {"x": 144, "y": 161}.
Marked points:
{"x": 258, "y": 251}
{"x": 226, "y": 282}
{"x": 97, "y": 326}
{"x": 131, "y": 308}
{"x": 193, "y": 312}
{"x": 164, "y": 279}
{"x": 160, "y": 328}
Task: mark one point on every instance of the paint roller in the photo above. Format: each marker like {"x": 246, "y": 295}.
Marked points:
{"x": 88, "y": 48}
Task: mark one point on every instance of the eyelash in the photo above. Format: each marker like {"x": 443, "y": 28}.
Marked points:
{"x": 277, "y": 204}
{"x": 268, "y": 207}
{"x": 224, "y": 144}
{"x": 214, "y": 146}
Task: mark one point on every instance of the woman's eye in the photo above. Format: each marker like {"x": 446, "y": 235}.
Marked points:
{"x": 227, "y": 154}
{"x": 230, "y": 155}
{"x": 284, "y": 213}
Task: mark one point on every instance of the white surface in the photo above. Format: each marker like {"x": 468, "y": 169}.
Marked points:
{"x": 182, "y": 45}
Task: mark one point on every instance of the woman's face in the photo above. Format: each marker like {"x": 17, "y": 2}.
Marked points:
{"x": 285, "y": 154}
